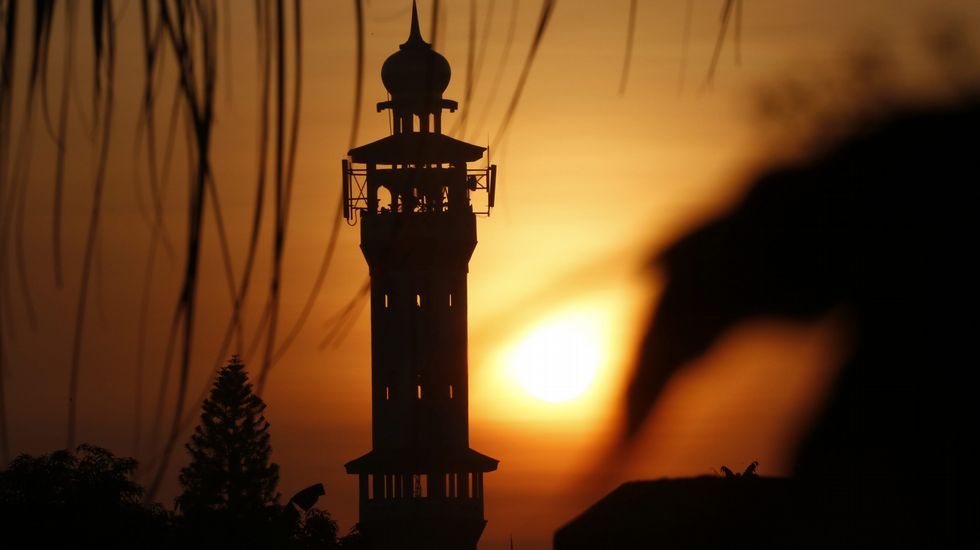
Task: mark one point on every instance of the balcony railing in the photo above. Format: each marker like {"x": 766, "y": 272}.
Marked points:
{"x": 355, "y": 188}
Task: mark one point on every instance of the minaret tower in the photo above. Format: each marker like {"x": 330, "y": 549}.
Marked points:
{"x": 421, "y": 486}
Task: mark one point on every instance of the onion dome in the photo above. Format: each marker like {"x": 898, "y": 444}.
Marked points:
{"x": 416, "y": 73}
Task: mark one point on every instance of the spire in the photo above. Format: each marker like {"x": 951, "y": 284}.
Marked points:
{"x": 415, "y": 35}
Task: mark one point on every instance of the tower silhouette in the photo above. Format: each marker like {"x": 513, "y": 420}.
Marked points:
{"x": 421, "y": 486}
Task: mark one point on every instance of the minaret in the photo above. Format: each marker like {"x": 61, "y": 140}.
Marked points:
{"x": 421, "y": 486}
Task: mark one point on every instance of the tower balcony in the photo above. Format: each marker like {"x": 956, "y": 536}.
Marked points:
{"x": 387, "y": 189}
{"x": 412, "y": 483}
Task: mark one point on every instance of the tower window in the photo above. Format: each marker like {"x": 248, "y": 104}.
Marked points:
{"x": 386, "y": 301}
{"x": 385, "y": 200}
{"x": 450, "y": 300}
{"x": 418, "y": 391}
{"x": 419, "y": 486}
{"x": 418, "y": 300}
{"x": 450, "y": 391}
{"x": 387, "y": 393}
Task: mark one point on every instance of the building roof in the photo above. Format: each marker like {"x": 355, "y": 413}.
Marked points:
{"x": 689, "y": 513}
{"x": 416, "y": 148}
{"x": 421, "y": 461}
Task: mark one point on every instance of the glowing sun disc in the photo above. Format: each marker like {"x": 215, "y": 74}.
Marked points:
{"x": 558, "y": 360}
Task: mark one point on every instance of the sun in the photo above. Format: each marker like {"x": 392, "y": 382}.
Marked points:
{"x": 558, "y": 360}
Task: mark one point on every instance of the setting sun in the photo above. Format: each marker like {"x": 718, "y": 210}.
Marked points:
{"x": 558, "y": 360}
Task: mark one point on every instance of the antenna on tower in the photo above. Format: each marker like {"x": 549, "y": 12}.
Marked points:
{"x": 492, "y": 179}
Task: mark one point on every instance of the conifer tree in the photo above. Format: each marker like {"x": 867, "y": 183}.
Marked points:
{"x": 230, "y": 469}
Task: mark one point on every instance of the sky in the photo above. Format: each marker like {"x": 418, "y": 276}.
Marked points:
{"x": 591, "y": 183}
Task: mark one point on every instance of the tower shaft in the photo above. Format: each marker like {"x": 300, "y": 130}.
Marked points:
{"x": 421, "y": 485}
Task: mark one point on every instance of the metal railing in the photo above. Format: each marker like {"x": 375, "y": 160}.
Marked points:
{"x": 355, "y": 189}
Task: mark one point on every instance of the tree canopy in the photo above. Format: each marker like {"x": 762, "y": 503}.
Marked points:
{"x": 83, "y": 497}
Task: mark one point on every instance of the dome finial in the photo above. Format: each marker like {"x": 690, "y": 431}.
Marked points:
{"x": 415, "y": 35}
{"x": 416, "y": 72}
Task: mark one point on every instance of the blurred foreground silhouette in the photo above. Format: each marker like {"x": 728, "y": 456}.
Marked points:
{"x": 876, "y": 228}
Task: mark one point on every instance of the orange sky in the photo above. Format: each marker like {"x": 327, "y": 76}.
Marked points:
{"x": 590, "y": 184}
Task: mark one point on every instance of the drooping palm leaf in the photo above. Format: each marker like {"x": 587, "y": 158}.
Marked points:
{"x": 547, "y": 8}
{"x": 104, "y": 36}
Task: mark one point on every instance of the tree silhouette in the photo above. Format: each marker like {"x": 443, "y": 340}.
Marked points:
{"x": 86, "y": 497}
{"x": 317, "y": 531}
{"x": 230, "y": 469}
